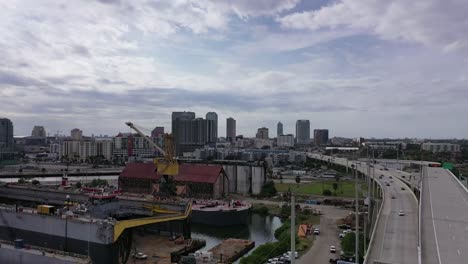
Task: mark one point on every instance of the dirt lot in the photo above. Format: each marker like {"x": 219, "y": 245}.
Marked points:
{"x": 158, "y": 248}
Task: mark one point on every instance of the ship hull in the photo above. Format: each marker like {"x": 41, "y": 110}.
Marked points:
{"x": 99, "y": 253}
{"x": 220, "y": 217}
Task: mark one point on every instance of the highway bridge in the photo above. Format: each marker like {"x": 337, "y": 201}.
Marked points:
{"x": 434, "y": 229}
{"x": 395, "y": 238}
{"x": 444, "y": 222}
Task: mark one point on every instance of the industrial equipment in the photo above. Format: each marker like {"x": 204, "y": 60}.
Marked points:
{"x": 168, "y": 164}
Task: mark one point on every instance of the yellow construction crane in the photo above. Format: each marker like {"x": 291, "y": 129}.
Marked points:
{"x": 168, "y": 164}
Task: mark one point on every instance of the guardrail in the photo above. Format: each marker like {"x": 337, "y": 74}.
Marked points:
{"x": 419, "y": 220}
{"x": 371, "y": 242}
{"x": 459, "y": 182}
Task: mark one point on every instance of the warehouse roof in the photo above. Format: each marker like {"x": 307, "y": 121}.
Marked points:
{"x": 140, "y": 171}
{"x": 199, "y": 173}
{"x": 187, "y": 172}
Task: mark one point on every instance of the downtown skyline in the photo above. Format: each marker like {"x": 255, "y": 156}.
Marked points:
{"x": 358, "y": 68}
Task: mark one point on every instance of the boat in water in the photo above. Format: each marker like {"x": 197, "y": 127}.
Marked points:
{"x": 220, "y": 213}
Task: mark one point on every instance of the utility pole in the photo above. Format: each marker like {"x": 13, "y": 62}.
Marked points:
{"x": 357, "y": 214}
{"x": 293, "y": 230}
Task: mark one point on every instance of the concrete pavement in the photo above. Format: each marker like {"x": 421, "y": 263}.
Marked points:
{"x": 396, "y": 237}
{"x": 444, "y": 222}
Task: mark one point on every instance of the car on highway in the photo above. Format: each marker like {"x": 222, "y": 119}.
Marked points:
{"x": 316, "y": 231}
{"x": 390, "y": 177}
{"x": 388, "y": 184}
{"x": 393, "y": 196}
{"x": 402, "y": 188}
{"x": 332, "y": 249}
{"x": 140, "y": 255}
{"x": 401, "y": 213}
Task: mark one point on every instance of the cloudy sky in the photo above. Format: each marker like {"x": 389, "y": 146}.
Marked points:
{"x": 388, "y": 68}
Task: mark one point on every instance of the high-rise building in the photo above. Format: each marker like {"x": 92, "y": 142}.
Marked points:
{"x": 262, "y": 133}
{"x": 157, "y": 132}
{"x": 191, "y": 133}
{"x": 38, "y": 131}
{"x": 180, "y": 129}
{"x": 285, "y": 140}
{"x": 320, "y": 137}
{"x": 76, "y": 134}
{"x": 279, "y": 129}
{"x": 213, "y": 126}
{"x": 302, "y": 132}
{"x": 230, "y": 129}
{"x": 6, "y": 135}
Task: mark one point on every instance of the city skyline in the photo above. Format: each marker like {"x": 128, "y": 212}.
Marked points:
{"x": 367, "y": 70}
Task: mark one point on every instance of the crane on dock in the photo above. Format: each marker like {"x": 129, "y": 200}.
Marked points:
{"x": 167, "y": 165}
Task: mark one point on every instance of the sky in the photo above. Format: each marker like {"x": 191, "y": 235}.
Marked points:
{"x": 370, "y": 68}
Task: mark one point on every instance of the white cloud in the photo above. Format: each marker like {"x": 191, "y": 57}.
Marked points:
{"x": 438, "y": 23}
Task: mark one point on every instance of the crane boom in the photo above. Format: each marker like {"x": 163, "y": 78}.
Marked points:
{"x": 167, "y": 165}
{"x": 154, "y": 145}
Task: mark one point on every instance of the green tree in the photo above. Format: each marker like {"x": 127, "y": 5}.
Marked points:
{"x": 348, "y": 245}
{"x": 335, "y": 187}
{"x": 268, "y": 189}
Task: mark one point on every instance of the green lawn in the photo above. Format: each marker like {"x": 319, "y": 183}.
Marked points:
{"x": 345, "y": 188}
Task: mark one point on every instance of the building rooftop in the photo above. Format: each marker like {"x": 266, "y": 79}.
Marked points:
{"x": 140, "y": 171}
{"x": 199, "y": 173}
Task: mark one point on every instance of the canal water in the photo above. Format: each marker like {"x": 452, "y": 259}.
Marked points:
{"x": 260, "y": 229}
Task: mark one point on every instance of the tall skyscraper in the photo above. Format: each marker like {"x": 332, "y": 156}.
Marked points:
{"x": 6, "y": 135}
{"x": 181, "y": 129}
{"x": 279, "y": 129}
{"x": 38, "y": 131}
{"x": 320, "y": 137}
{"x": 157, "y": 132}
{"x": 213, "y": 129}
{"x": 191, "y": 133}
{"x": 230, "y": 129}
{"x": 262, "y": 133}
{"x": 302, "y": 132}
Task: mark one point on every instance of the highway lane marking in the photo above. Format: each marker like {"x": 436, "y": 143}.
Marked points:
{"x": 433, "y": 222}
{"x": 458, "y": 251}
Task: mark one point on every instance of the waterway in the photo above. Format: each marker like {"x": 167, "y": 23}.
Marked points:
{"x": 260, "y": 229}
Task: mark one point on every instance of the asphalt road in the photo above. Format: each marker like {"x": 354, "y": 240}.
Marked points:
{"x": 320, "y": 251}
{"x": 445, "y": 219}
{"x": 396, "y": 237}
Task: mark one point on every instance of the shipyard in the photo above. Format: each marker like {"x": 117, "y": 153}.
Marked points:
{"x": 233, "y": 132}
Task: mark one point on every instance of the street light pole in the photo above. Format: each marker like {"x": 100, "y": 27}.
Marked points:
{"x": 357, "y": 213}
{"x": 293, "y": 230}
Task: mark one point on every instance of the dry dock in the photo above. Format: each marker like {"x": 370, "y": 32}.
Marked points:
{"x": 231, "y": 249}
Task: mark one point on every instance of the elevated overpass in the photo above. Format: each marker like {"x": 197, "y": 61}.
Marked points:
{"x": 395, "y": 238}
{"x": 444, "y": 221}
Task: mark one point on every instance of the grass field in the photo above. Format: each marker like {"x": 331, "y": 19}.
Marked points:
{"x": 345, "y": 188}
